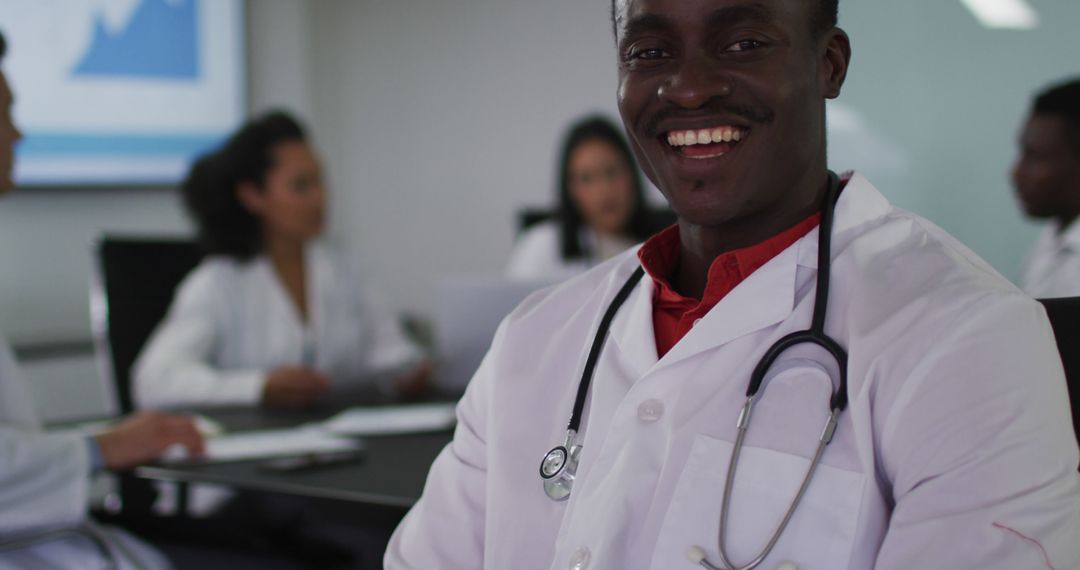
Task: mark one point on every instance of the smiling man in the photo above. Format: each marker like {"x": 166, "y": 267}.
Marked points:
{"x": 796, "y": 375}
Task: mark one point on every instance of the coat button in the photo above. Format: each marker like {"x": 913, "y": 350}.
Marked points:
{"x": 650, "y": 410}
{"x": 696, "y": 321}
{"x": 580, "y": 559}
{"x": 787, "y": 565}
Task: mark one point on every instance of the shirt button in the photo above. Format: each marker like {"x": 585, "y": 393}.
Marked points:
{"x": 580, "y": 559}
{"x": 696, "y": 321}
{"x": 787, "y": 565}
{"x": 650, "y": 410}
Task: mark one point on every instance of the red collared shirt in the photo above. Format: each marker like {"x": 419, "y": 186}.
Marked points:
{"x": 673, "y": 314}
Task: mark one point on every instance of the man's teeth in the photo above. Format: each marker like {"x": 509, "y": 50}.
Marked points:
{"x": 704, "y": 136}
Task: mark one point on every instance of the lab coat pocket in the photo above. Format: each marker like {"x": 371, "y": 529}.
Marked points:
{"x": 820, "y": 536}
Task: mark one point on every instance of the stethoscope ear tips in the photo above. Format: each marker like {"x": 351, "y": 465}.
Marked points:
{"x": 695, "y": 554}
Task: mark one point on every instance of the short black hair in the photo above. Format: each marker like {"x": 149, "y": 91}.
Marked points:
{"x": 826, "y": 18}
{"x": 225, "y": 226}
{"x": 592, "y": 128}
{"x": 3, "y": 46}
{"x": 828, "y": 15}
{"x": 1062, "y": 100}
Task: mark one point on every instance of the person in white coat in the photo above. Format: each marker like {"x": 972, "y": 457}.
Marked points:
{"x": 955, "y": 448}
{"x": 271, "y": 316}
{"x": 1047, "y": 181}
{"x": 45, "y": 477}
{"x": 601, "y": 212}
{"x": 45, "y": 481}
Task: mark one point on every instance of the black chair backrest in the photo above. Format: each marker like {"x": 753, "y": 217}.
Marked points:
{"x": 1064, "y": 316}
{"x": 137, "y": 277}
{"x": 658, "y": 218}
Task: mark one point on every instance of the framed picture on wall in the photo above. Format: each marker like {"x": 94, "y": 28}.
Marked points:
{"x": 122, "y": 92}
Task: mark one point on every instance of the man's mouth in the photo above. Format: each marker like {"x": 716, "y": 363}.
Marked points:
{"x": 707, "y": 143}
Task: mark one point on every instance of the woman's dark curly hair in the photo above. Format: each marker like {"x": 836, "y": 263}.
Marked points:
{"x": 225, "y": 226}
{"x": 586, "y": 130}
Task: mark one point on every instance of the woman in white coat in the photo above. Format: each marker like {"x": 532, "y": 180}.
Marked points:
{"x": 45, "y": 482}
{"x": 271, "y": 316}
{"x": 601, "y": 211}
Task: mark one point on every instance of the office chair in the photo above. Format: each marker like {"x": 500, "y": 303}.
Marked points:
{"x": 1064, "y": 316}
{"x": 131, "y": 288}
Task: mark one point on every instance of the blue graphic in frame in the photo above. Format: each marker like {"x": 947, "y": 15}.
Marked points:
{"x": 159, "y": 42}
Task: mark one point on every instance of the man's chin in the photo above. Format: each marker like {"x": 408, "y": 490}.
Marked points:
{"x": 707, "y": 201}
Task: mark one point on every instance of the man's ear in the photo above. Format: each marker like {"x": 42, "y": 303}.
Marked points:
{"x": 836, "y": 58}
{"x": 250, "y": 197}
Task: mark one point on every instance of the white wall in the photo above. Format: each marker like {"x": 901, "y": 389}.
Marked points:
{"x": 951, "y": 96}
{"x": 280, "y": 72}
{"x": 46, "y": 237}
{"x": 438, "y": 120}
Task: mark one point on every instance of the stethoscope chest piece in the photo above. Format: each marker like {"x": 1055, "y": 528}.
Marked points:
{"x": 559, "y": 467}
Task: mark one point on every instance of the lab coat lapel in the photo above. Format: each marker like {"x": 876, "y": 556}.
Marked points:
{"x": 763, "y": 299}
{"x": 282, "y": 316}
{"x": 767, "y": 296}
{"x": 318, "y": 274}
{"x": 632, "y": 330}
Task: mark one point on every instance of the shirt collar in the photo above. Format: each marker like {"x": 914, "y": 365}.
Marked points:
{"x": 1069, "y": 239}
{"x": 660, "y": 256}
{"x": 859, "y": 203}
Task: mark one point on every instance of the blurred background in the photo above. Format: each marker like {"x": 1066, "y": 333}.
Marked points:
{"x": 438, "y": 121}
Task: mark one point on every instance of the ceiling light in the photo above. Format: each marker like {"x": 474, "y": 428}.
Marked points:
{"x": 1008, "y": 14}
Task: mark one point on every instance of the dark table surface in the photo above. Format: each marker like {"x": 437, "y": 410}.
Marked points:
{"x": 391, "y": 474}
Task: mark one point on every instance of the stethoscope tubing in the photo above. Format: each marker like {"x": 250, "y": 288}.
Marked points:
{"x": 814, "y": 335}
{"x": 598, "y": 347}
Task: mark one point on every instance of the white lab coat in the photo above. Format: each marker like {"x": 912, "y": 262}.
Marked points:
{"x": 44, "y": 480}
{"x": 232, "y": 322}
{"x": 538, "y": 253}
{"x": 957, "y": 443}
{"x": 1053, "y": 266}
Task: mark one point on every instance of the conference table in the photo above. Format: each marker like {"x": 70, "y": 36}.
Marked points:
{"x": 390, "y": 474}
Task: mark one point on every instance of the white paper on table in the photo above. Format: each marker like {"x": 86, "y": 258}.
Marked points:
{"x": 265, "y": 444}
{"x": 386, "y": 420}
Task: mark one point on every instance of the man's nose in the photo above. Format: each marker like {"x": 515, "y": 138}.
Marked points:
{"x": 694, "y": 82}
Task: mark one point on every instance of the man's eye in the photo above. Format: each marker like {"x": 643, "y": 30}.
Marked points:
{"x": 745, "y": 45}
{"x": 647, "y": 53}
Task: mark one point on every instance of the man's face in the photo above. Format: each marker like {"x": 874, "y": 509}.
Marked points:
{"x": 9, "y": 135}
{"x": 750, "y": 76}
{"x": 1047, "y": 173}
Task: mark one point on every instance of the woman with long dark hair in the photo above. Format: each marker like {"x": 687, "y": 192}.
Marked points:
{"x": 601, "y": 206}
{"x": 272, "y": 316}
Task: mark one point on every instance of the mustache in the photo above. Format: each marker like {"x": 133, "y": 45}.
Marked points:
{"x": 754, "y": 114}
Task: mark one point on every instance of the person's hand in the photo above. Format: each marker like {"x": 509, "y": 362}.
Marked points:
{"x": 143, "y": 436}
{"x": 294, "y": 387}
{"x": 414, "y": 383}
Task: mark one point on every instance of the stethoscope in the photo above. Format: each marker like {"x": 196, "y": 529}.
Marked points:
{"x": 559, "y": 466}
